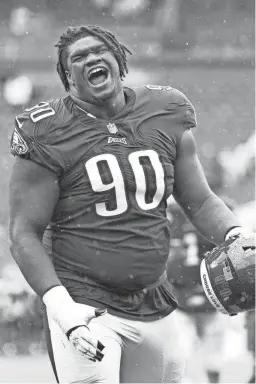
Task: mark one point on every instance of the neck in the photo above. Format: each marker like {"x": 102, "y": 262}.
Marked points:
{"x": 106, "y": 109}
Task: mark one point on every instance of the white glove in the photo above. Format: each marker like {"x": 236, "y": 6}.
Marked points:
{"x": 73, "y": 319}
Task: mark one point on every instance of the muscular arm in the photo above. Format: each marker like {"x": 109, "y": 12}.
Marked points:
{"x": 204, "y": 209}
{"x": 33, "y": 194}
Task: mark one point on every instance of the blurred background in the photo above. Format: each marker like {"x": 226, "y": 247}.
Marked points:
{"x": 205, "y": 48}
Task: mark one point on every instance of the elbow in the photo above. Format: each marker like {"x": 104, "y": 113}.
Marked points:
{"x": 22, "y": 229}
{"x": 195, "y": 208}
{"x": 20, "y": 239}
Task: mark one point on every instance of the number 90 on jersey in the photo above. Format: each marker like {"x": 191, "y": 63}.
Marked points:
{"x": 118, "y": 184}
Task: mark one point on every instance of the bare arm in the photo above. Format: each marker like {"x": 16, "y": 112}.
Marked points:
{"x": 33, "y": 194}
{"x": 205, "y": 210}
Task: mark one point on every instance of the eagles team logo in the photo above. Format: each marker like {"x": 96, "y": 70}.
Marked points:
{"x": 121, "y": 140}
{"x": 112, "y": 128}
{"x": 18, "y": 144}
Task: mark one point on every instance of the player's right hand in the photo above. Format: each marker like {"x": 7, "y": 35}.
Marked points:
{"x": 73, "y": 318}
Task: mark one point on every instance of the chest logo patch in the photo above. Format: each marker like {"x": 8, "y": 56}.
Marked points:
{"x": 121, "y": 140}
{"x": 112, "y": 128}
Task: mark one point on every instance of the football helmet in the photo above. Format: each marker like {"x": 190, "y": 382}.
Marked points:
{"x": 228, "y": 275}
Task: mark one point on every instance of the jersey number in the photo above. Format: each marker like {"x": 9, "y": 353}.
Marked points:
{"x": 118, "y": 181}
{"x": 40, "y": 111}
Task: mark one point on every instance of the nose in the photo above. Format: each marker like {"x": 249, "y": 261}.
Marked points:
{"x": 92, "y": 59}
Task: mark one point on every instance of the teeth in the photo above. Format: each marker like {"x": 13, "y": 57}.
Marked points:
{"x": 96, "y": 70}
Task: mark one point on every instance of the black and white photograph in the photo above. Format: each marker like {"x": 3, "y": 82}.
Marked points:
{"x": 127, "y": 179}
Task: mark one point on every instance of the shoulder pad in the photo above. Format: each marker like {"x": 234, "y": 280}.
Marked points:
{"x": 32, "y": 125}
{"x": 34, "y": 134}
{"x": 177, "y": 97}
{"x": 172, "y": 98}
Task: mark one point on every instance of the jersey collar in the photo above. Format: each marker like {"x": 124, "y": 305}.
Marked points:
{"x": 79, "y": 111}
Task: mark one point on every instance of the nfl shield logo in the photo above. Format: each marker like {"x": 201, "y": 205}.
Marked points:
{"x": 112, "y": 128}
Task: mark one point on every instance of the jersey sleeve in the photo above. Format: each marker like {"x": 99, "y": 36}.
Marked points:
{"x": 33, "y": 138}
{"x": 188, "y": 113}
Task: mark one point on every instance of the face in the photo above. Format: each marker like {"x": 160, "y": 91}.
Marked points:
{"x": 93, "y": 72}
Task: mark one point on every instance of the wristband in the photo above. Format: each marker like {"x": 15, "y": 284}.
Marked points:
{"x": 56, "y": 297}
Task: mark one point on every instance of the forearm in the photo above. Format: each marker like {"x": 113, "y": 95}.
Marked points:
{"x": 212, "y": 219}
{"x": 34, "y": 262}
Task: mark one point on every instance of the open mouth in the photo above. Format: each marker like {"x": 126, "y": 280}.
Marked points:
{"x": 98, "y": 76}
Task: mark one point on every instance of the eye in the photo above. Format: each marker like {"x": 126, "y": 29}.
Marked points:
{"x": 103, "y": 49}
{"x": 77, "y": 58}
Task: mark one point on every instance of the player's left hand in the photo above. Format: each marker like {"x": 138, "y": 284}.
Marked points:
{"x": 73, "y": 318}
{"x": 83, "y": 340}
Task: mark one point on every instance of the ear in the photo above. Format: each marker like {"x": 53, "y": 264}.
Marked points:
{"x": 70, "y": 78}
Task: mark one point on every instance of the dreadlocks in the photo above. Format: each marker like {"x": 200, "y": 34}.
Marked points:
{"x": 75, "y": 33}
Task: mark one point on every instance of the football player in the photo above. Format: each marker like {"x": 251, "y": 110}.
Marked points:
{"x": 203, "y": 325}
{"x": 99, "y": 165}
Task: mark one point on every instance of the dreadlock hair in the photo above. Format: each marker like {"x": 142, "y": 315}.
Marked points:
{"x": 75, "y": 33}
